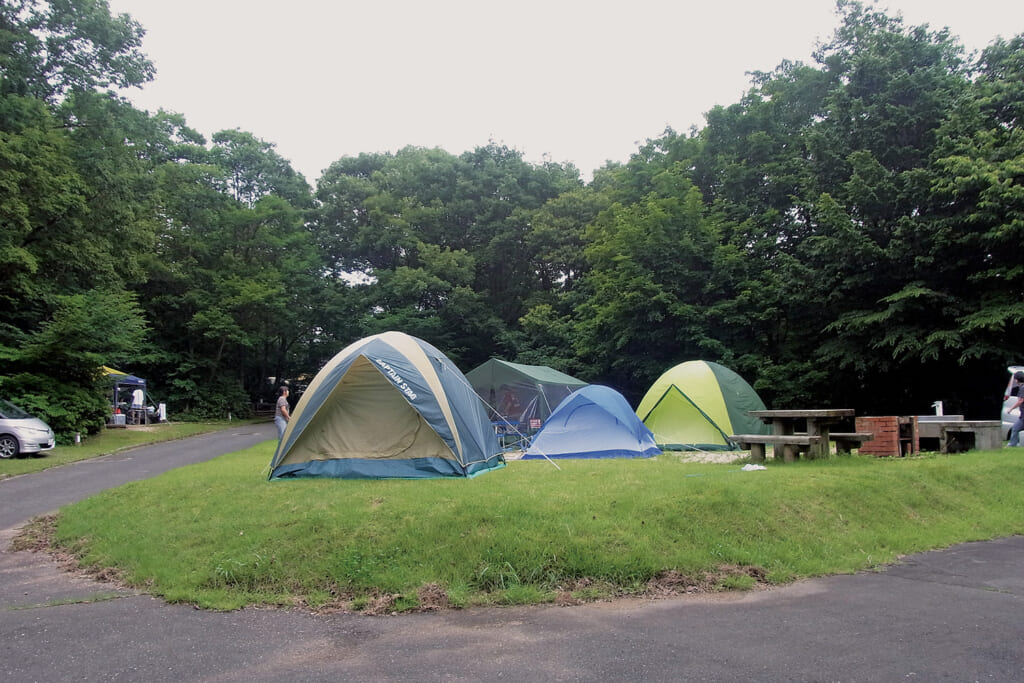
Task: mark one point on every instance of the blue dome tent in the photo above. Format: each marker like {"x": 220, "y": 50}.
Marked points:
{"x": 593, "y": 422}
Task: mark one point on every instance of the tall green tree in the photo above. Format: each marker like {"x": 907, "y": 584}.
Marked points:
{"x": 978, "y": 188}
{"x": 441, "y": 240}
{"x": 43, "y": 196}
{"x": 50, "y": 48}
{"x": 818, "y": 187}
{"x": 649, "y": 284}
{"x": 73, "y": 220}
{"x": 235, "y": 279}
{"x": 253, "y": 169}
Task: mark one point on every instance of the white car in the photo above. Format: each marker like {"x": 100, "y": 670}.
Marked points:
{"x": 1010, "y": 400}
{"x": 21, "y": 433}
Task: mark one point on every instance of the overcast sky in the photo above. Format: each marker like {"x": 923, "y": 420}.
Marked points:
{"x": 583, "y": 81}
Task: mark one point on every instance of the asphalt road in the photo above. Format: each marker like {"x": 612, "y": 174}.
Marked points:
{"x": 951, "y": 615}
{"x": 24, "y": 497}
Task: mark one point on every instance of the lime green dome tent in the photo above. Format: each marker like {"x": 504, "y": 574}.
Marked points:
{"x": 697, "y": 405}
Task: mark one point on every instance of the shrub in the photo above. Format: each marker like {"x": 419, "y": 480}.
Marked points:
{"x": 67, "y": 408}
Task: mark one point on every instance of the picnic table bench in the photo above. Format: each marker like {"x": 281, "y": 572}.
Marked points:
{"x": 815, "y": 423}
{"x": 847, "y": 441}
{"x": 791, "y": 444}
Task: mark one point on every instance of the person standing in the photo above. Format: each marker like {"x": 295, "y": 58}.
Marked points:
{"x": 281, "y": 414}
{"x": 1018, "y": 426}
{"x": 137, "y": 415}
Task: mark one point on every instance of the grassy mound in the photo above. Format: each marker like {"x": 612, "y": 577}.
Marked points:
{"x": 220, "y": 535}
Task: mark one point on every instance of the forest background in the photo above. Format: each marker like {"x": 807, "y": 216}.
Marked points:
{"x": 848, "y": 234}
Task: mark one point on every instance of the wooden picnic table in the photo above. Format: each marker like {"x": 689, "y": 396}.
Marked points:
{"x": 818, "y": 423}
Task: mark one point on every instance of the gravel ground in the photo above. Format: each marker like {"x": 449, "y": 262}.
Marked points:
{"x": 725, "y": 457}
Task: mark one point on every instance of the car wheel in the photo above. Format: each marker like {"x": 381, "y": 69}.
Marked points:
{"x": 8, "y": 446}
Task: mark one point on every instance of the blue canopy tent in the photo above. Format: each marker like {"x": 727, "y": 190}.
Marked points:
{"x": 593, "y": 422}
{"x": 122, "y": 381}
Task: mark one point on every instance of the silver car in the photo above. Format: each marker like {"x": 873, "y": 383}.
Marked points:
{"x": 21, "y": 433}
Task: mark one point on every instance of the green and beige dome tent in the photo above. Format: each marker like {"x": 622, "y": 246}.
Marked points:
{"x": 697, "y": 405}
{"x": 388, "y": 406}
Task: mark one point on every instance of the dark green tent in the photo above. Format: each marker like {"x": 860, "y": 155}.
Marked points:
{"x": 518, "y": 393}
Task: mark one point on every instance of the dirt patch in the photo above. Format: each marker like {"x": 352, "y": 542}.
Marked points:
{"x": 672, "y": 582}
{"x": 38, "y": 537}
{"x": 566, "y": 599}
{"x": 380, "y": 603}
{"x": 432, "y": 596}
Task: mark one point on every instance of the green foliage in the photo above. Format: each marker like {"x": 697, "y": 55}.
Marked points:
{"x": 253, "y": 170}
{"x": 66, "y": 407}
{"x": 218, "y": 400}
{"x": 53, "y": 371}
{"x": 87, "y": 331}
{"x": 651, "y": 284}
{"x": 444, "y": 239}
{"x": 836, "y": 235}
{"x": 558, "y": 240}
{"x": 42, "y": 198}
{"x": 49, "y": 48}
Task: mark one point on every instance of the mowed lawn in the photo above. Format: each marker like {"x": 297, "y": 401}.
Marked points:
{"x": 219, "y": 535}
